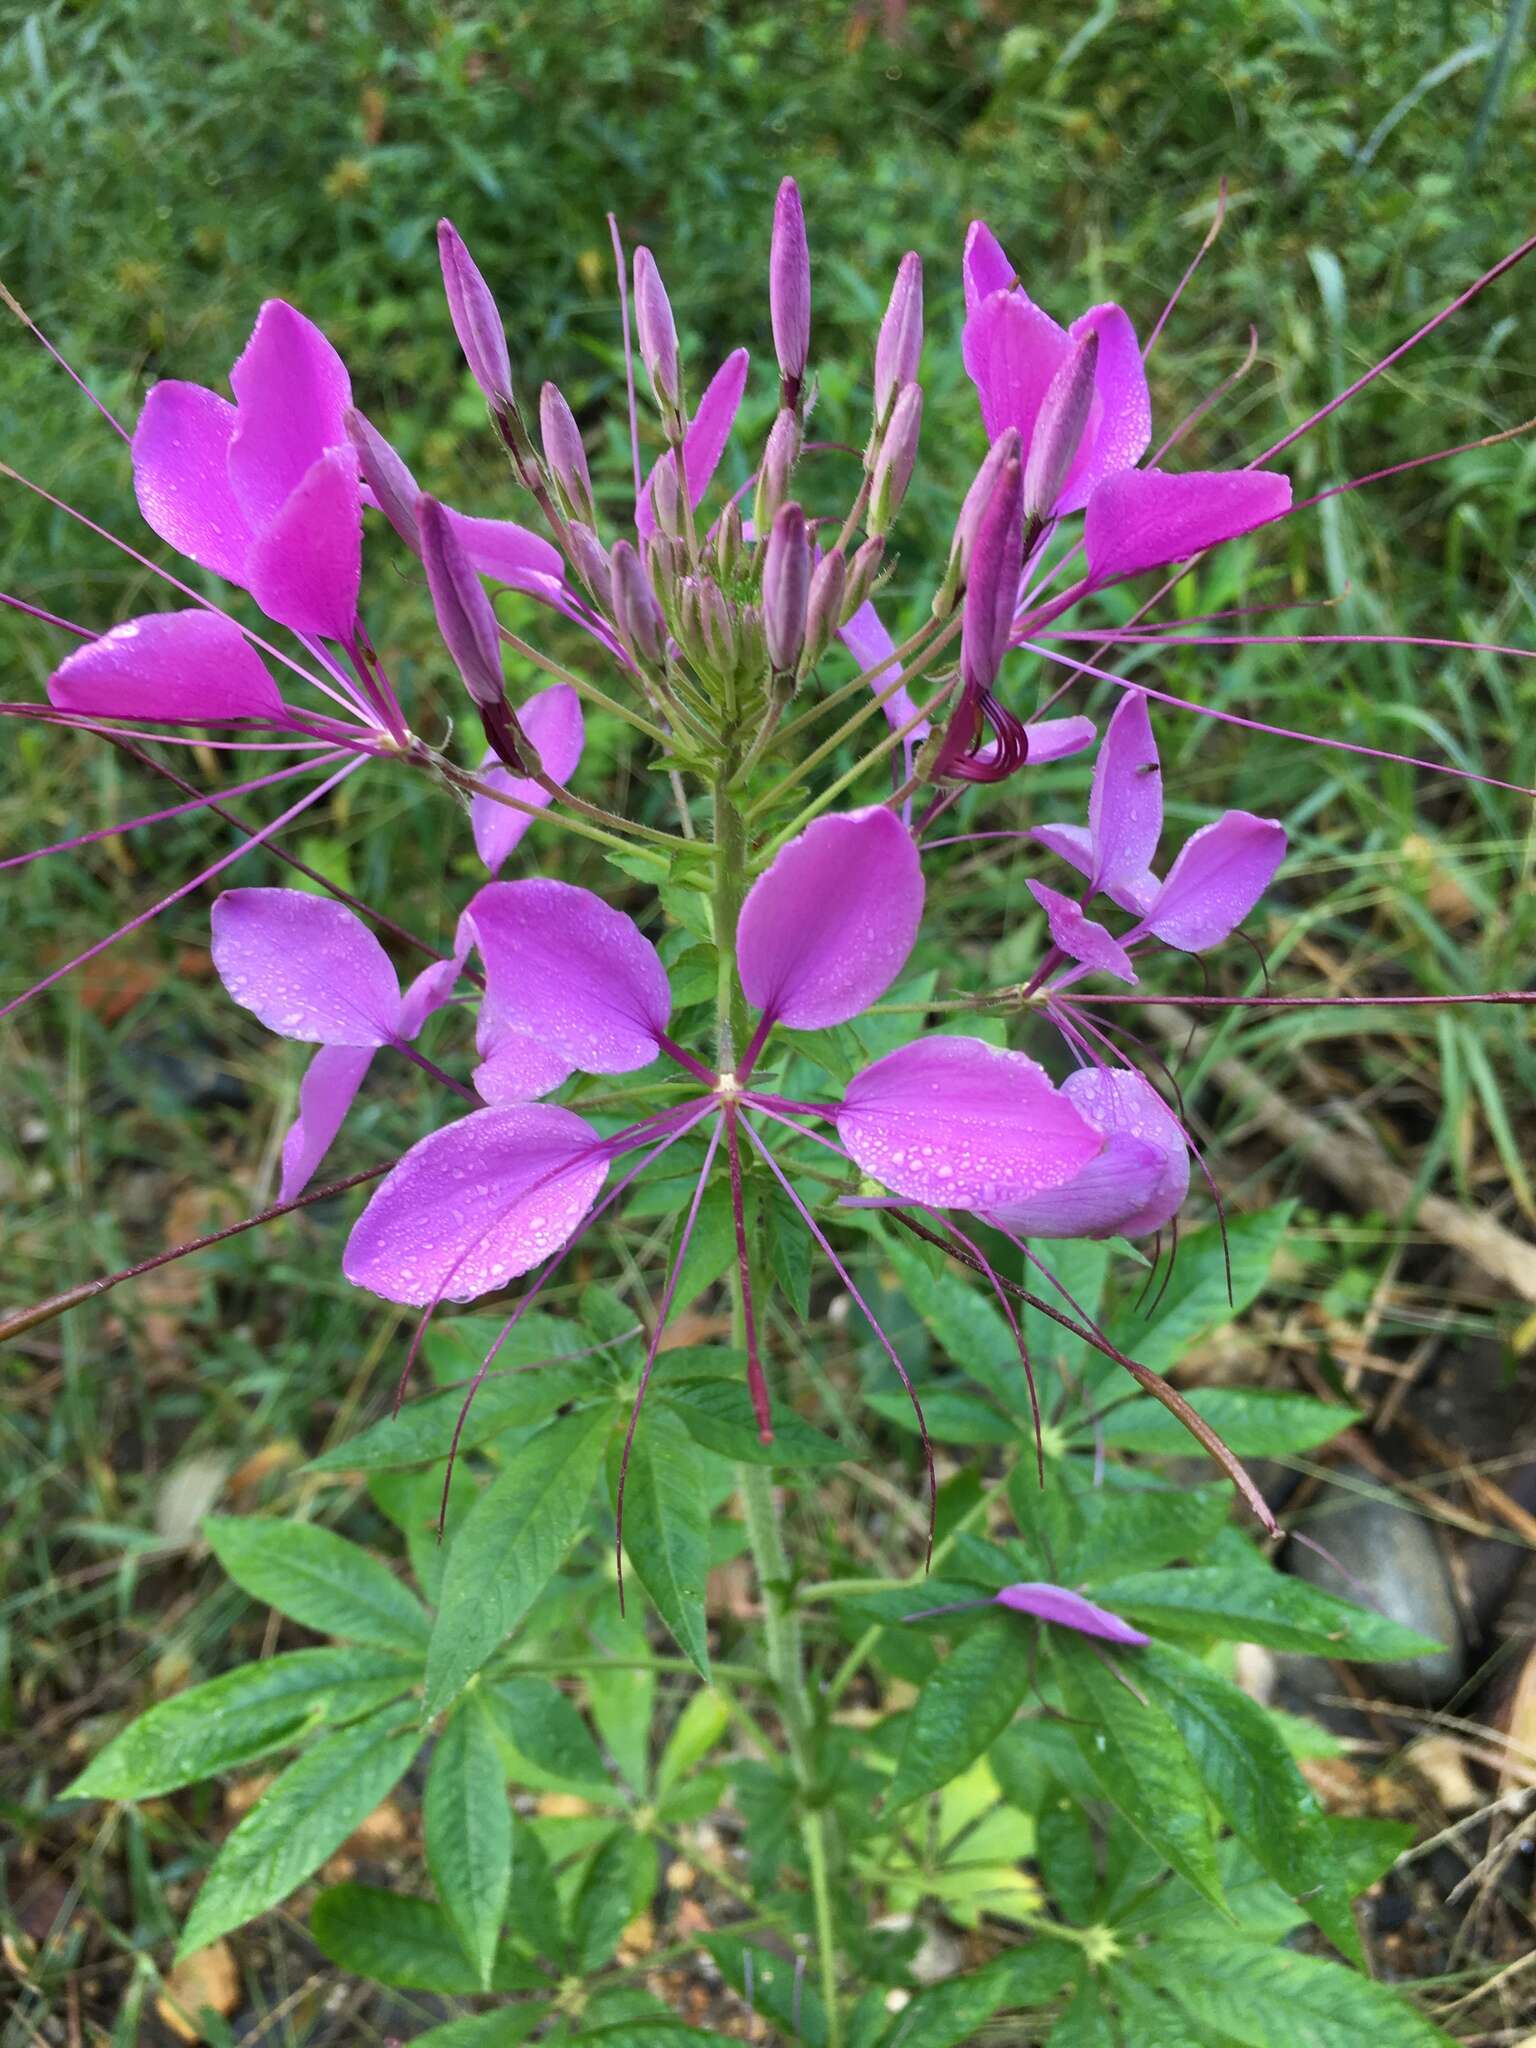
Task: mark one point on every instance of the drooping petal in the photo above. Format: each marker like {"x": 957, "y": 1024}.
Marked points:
{"x": 1012, "y": 349}
{"x": 868, "y": 641}
{"x": 181, "y": 476}
{"x": 1053, "y": 739}
{"x": 331, "y": 1080}
{"x": 517, "y": 1065}
{"x": 1144, "y": 518}
{"x": 306, "y": 966}
{"x": 293, "y": 392}
{"x": 985, "y": 267}
{"x": 476, "y": 1204}
{"x": 828, "y": 926}
{"x": 553, "y": 721}
{"x": 1080, "y": 937}
{"x": 1125, "y": 804}
{"x": 1125, "y": 1106}
{"x": 704, "y": 443}
{"x": 963, "y": 1124}
{"x": 1097, "y": 1201}
{"x": 1221, "y": 872}
{"x": 193, "y": 666}
{"x": 1068, "y": 1610}
{"x": 1119, "y": 422}
{"x": 306, "y": 565}
{"x": 431, "y": 989}
{"x": 566, "y": 967}
{"x": 1073, "y": 843}
{"x": 505, "y": 551}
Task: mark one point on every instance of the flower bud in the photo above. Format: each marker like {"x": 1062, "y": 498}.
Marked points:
{"x": 719, "y": 627}
{"x": 565, "y": 455}
{"x": 1058, "y": 428}
{"x": 789, "y": 291}
{"x": 635, "y": 611}
{"x": 780, "y": 455}
{"x": 657, "y": 332}
{"x": 786, "y": 587}
{"x": 729, "y": 543}
{"x": 824, "y": 607}
{"x": 475, "y": 319}
{"x": 385, "y": 474}
{"x": 992, "y": 593}
{"x": 667, "y": 498}
{"x": 751, "y": 641}
{"x": 665, "y": 561}
{"x": 689, "y": 622}
{"x": 899, "y": 349}
{"x": 465, "y": 616}
{"x": 896, "y": 458}
{"x": 591, "y": 561}
{"x": 862, "y": 571}
{"x": 1004, "y": 449}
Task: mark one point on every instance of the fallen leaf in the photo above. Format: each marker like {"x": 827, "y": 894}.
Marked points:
{"x": 205, "y": 1982}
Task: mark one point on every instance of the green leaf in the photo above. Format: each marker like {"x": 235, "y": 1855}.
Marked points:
{"x": 318, "y": 1578}
{"x": 1086, "y": 2022}
{"x": 1081, "y": 1267}
{"x": 1196, "y": 1297}
{"x": 551, "y": 1744}
{"x": 510, "y": 1546}
{"x": 423, "y": 1430}
{"x": 621, "y": 1878}
{"x": 1139, "y": 1761}
{"x": 468, "y": 1828}
{"x": 694, "y": 1734}
{"x": 1276, "y": 1998}
{"x": 950, "y": 2014}
{"x": 789, "y": 1249}
{"x": 964, "y": 1707}
{"x": 504, "y": 2029}
{"x": 1251, "y": 1423}
{"x": 536, "y": 1919}
{"x": 1259, "y": 1606}
{"x": 409, "y": 1943}
{"x": 717, "y": 1413}
{"x": 666, "y": 1525}
{"x": 1150, "y": 2021}
{"x": 953, "y": 1415}
{"x": 965, "y": 1323}
{"x": 239, "y": 1716}
{"x": 1064, "y": 1850}
{"x": 302, "y": 1818}
{"x": 1154, "y": 1525}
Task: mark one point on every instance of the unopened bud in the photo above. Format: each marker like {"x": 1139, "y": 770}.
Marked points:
{"x": 718, "y": 618}
{"x": 591, "y": 560}
{"x": 729, "y": 543}
{"x": 896, "y": 458}
{"x": 635, "y": 610}
{"x": 789, "y": 291}
{"x": 475, "y": 319}
{"x": 395, "y": 490}
{"x": 751, "y": 641}
{"x": 899, "y": 349}
{"x": 665, "y": 561}
{"x": 565, "y": 454}
{"x": 1004, "y": 449}
{"x": 1058, "y": 428}
{"x": 657, "y": 332}
{"x": 862, "y": 571}
{"x": 824, "y": 607}
{"x": 780, "y": 455}
{"x": 667, "y": 498}
{"x": 465, "y": 616}
{"x": 992, "y": 593}
{"x": 689, "y": 621}
{"x": 786, "y": 587}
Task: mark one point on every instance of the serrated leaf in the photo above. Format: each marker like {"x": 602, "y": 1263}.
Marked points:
{"x": 953, "y": 1415}
{"x": 967, "y": 1325}
{"x": 1139, "y": 1761}
{"x": 1086, "y": 2022}
{"x": 616, "y": 1886}
{"x": 468, "y": 1829}
{"x": 1152, "y": 1525}
{"x": 1196, "y": 1299}
{"x": 535, "y": 1916}
{"x": 1065, "y": 1852}
{"x": 1276, "y": 1998}
{"x": 303, "y": 1817}
{"x": 510, "y": 1546}
{"x": 504, "y": 2029}
{"x": 422, "y": 1432}
{"x": 1250, "y": 1422}
{"x": 320, "y": 1579}
{"x": 964, "y": 1707}
{"x": 240, "y": 1716}
{"x": 409, "y": 1943}
{"x": 950, "y": 2014}
{"x": 666, "y": 1525}
{"x": 717, "y": 1413}
{"x": 789, "y": 1249}
{"x": 694, "y": 1734}
{"x": 544, "y": 1730}
{"x": 1259, "y": 1606}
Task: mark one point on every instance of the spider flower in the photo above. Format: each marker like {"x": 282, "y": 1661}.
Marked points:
{"x": 1058, "y": 1605}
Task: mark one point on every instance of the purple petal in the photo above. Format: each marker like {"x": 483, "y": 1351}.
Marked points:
{"x": 1012, "y": 350}
{"x": 1074, "y": 843}
{"x": 431, "y": 989}
{"x": 704, "y": 443}
{"x": 1125, "y": 1106}
{"x": 1120, "y": 419}
{"x": 305, "y": 966}
{"x": 553, "y": 721}
{"x": 962, "y": 1124}
{"x": 505, "y": 551}
{"x": 871, "y": 646}
{"x": 1145, "y": 517}
{"x": 181, "y": 477}
{"x": 1099, "y": 1199}
{"x": 475, "y": 1204}
{"x": 984, "y": 267}
{"x": 293, "y": 392}
{"x": 330, "y": 1082}
{"x": 1080, "y": 937}
{"x": 1068, "y": 1610}
{"x": 517, "y": 1065}
{"x": 1125, "y": 805}
{"x": 828, "y": 926}
{"x": 1221, "y": 872}
{"x": 1053, "y": 739}
{"x": 563, "y": 965}
{"x": 194, "y": 666}
{"x": 306, "y": 566}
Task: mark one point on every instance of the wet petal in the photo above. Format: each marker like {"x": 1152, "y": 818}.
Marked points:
{"x": 1012, "y": 350}
{"x": 708, "y": 432}
{"x": 564, "y": 966}
{"x": 1221, "y": 872}
{"x": 1145, "y": 517}
{"x": 476, "y": 1204}
{"x": 1053, "y": 739}
{"x": 293, "y": 392}
{"x": 181, "y": 476}
{"x": 195, "y": 666}
{"x": 1096, "y": 1202}
{"x": 1125, "y": 1106}
{"x": 306, "y": 966}
{"x": 828, "y": 926}
{"x": 1068, "y": 1610}
{"x": 1125, "y": 805}
{"x": 869, "y": 642}
{"x": 506, "y": 552}
{"x": 553, "y": 721}
{"x": 1119, "y": 424}
{"x": 306, "y": 566}
{"x": 517, "y": 1065}
{"x": 963, "y": 1124}
{"x": 431, "y": 989}
{"x": 1080, "y": 937}
{"x": 1073, "y": 843}
{"x": 330, "y": 1082}
{"x": 985, "y": 266}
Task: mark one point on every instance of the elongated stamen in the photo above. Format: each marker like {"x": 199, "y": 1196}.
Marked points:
{"x": 1211, "y": 400}
{"x": 1194, "y": 264}
{"x": 757, "y": 1385}
{"x": 336, "y": 734}
{"x": 70, "y": 372}
{"x": 1502, "y": 995}
{"x": 19, "y": 604}
{"x": 998, "y": 1289}
{"x": 1166, "y": 636}
{"x": 629, "y": 352}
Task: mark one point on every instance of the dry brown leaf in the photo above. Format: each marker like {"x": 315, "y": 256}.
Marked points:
{"x": 1441, "y": 1762}
{"x": 206, "y": 1981}
{"x": 261, "y": 1465}
{"x": 1520, "y": 1766}
{"x": 561, "y": 1806}
{"x": 240, "y": 1797}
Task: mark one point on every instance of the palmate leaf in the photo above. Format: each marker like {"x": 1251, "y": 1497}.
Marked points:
{"x": 951, "y": 2014}
{"x": 320, "y": 1579}
{"x": 717, "y": 1413}
{"x": 1276, "y": 1998}
{"x": 468, "y": 1828}
{"x": 549, "y": 1744}
{"x": 666, "y": 1525}
{"x": 1243, "y": 1604}
{"x": 409, "y": 1943}
{"x": 964, "y": 1706}
{"x": 423, "y": 1430}
{"x": 1250, "y": 1421}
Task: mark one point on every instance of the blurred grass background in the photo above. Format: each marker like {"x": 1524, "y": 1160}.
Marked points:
{"x": 167, "y": 166}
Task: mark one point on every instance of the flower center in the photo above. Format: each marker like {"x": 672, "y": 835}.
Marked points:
{"x": 727, "y": 1084}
